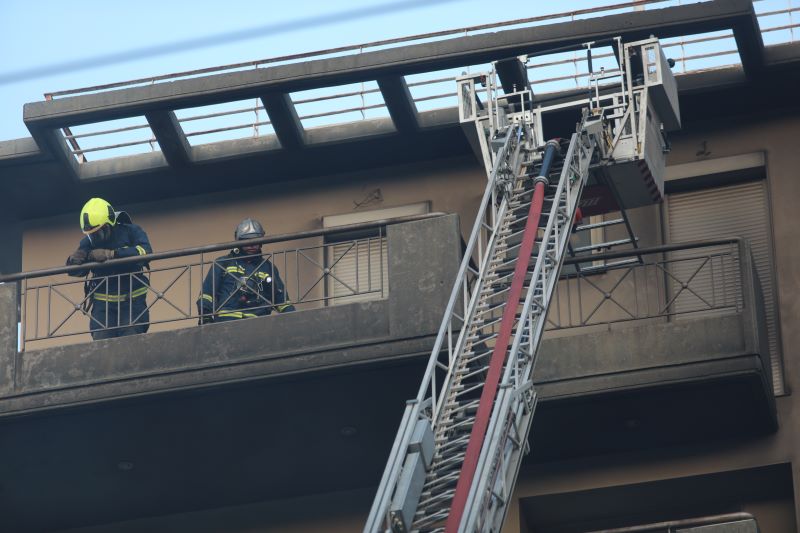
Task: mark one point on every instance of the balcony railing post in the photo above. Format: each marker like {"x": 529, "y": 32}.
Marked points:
{"x": 744, "y": 269}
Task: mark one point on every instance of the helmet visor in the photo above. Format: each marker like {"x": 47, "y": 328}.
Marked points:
{"x": 99, "y": 235}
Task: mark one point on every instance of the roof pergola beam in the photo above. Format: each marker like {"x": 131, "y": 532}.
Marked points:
{"x": 171, "y": 139}
{"x": 750, "y": 44}
{"x": 513, "y": 75}
{"x": 284, "y": 119}
{"x": 399, "y": 102}
{"x": 51, "y": 140}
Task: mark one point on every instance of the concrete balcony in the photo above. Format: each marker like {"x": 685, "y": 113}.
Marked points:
{"x": 318, "y": 336}
{"x": 308, "y": 402}
{"x": 677, "y": 354}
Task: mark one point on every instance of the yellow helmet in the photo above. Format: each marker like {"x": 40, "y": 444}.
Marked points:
{"x": 95, "y": 214}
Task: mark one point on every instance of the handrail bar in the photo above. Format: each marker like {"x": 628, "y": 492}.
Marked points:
{"x": 686, "y": 522}
{"x": 220, "y": 246}
{"x": 653, "y": 250}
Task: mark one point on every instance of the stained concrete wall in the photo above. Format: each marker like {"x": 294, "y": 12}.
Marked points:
{"x": 8, "y": 337}
{"x": 11, "y": 246}
{"x": 331, "y": 513}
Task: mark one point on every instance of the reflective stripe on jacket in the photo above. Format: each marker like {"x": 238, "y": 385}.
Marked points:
{"x": 115, "y": 283}
{"x": 243, "y": 288}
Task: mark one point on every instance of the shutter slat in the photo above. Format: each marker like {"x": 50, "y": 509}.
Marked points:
{"x": 360, "y": 271}
{"x": 732, "y": 211}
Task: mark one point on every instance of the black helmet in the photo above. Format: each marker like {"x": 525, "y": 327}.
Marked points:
{"x": 248, "y": 229}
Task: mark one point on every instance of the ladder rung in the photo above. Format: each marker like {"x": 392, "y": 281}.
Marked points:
{"x": 586, "y": 227}
{"x": 602, "y": 245}
{"x": 481, "y": 338}
{"x": 475, "y": 372}
{"x": 481, "y": 355}
{"x": 593, "y": 268}
{"x": 459, "y": 390}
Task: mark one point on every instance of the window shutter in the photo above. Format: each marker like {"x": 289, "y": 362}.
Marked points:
{"x": 732, "y": 211}
{"x": 359, "y": 271}
{"x": 360, "y": 268}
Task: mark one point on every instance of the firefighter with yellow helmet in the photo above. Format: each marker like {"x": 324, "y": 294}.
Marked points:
{"x": 117, "y": 293}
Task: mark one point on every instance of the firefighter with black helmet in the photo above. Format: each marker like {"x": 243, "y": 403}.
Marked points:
{"x": 243, "y": 284}
{"x": 116, "y": 294}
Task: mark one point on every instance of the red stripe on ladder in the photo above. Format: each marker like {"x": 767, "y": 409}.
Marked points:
{"x": 489, "y": 393}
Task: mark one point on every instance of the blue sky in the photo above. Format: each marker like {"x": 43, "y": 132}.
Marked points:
{"x": 47, "y": 32}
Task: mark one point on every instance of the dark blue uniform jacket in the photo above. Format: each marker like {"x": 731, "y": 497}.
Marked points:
{"x": 240, "y": 288}
{"x": 127, "y": 240}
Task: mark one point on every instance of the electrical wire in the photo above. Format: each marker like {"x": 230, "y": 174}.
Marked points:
{"x": 275, "y": 28}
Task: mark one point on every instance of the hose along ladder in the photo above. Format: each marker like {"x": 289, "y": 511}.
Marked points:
{"x": 455, "y": 460}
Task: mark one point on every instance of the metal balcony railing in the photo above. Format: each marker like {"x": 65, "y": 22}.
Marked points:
{"x": 322, "y": 270}
{"x": 668, "y": 282}
{"x": 678, "y": 280}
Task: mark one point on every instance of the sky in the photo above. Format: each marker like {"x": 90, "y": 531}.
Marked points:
{"x": 50, "y": 46}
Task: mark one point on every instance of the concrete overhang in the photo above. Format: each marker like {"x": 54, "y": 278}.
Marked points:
{"x": 412, "y": 59}
{"x": 60, "y": 184}
{"x": 672, "y": 501}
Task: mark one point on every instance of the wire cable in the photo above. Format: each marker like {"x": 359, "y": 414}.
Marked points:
{"x": 275, "y": 28}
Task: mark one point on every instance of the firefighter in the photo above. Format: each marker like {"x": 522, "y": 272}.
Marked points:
{"x": 242, "y": 284}
{"x": 116, "y": 294}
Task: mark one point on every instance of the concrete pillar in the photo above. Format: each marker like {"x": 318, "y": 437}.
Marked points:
{"x": 8, "y": 336}
{"x": 424, "y": 257}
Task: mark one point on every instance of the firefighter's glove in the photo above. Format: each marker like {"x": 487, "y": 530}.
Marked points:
{"x": 78, "y": 257}
{"x": 101, "y": 254}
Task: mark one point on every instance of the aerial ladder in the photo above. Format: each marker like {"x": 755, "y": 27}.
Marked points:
{"x": 457, "y": 453}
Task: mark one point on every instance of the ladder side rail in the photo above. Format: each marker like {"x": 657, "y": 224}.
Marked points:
{"x": 461, "y": 278}
{"x": 468, "y": 315}
{"x": 466, "y": 477}
{"x": 382, "y": 501}
{"x": 517, "y": 378}
{"x": 502, "y": 190}
{"x": 476, "y": 290}
{"x": 514, "y": 459}
{"x": 380, "y": 507}
{"x": 509, "y": 399}
{"x": 536, "y": 283}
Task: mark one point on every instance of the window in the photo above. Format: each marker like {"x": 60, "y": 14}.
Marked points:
{"x": 359, "y": 269}
{"x": 359, "y": 261}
